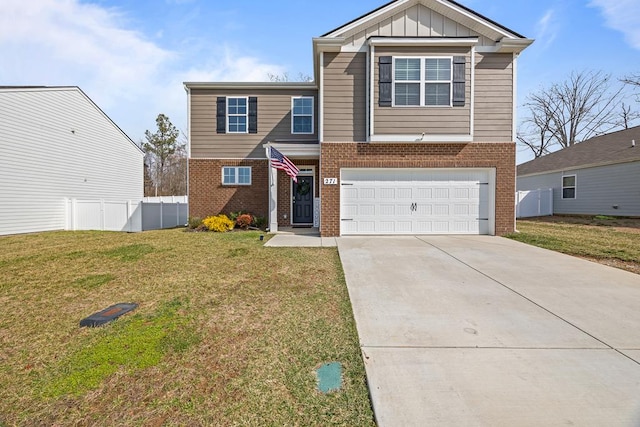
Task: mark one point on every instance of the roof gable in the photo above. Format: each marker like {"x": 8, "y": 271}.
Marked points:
{"x": 423, "y": 18}
{"x": 611, "y": 148}
{"x": 36, "y": 92}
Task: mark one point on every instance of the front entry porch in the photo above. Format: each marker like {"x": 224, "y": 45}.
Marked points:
{"x": 295, "y": 205}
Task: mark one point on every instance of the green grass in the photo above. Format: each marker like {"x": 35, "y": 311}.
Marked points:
{"x": 227, "y": 332}
{"x": 596, "y": 242}
{"x": 132, "y": 344}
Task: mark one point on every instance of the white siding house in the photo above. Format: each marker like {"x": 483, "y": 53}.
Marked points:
{"x": 57, "y": 144}
{"x": 599, "y": 176}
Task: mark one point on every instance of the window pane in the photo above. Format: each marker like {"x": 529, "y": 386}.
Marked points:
{"x": 568, "y": 193}
{"x": 437, "y": 94}
{"x": 438, "y": 69}
{"x": 302, "y": 124}
{"x": 407, "y": 93}
{"x": 237, "y": 124}
{"x": 407, "y": 69}
{"x": 568, "y": 181}
{"x": 229, "y": 176}
{"x": 237, "y": 105}
{"x": 303, "y": 106}
{"x": 244, "y": 175}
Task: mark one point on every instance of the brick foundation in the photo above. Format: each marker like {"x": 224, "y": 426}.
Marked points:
{"x": 500, "y": 156}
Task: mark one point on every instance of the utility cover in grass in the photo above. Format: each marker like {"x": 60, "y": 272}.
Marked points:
{"x": 107, "y": 315}
{"x": 329, "y": 377}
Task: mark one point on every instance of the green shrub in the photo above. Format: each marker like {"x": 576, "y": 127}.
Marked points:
{"x": 260, "y": 222}
{"x": 194, "y": 222}
{"x": 220, "y": 223}
{"x": 233, "y": 216}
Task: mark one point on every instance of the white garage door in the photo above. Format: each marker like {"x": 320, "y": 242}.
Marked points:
{"x": 417, "y": 201}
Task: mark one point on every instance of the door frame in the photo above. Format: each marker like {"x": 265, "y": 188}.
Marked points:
{"x": 305, "y": 170}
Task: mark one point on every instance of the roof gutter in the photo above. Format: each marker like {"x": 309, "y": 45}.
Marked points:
{"x": 250, "y": 85}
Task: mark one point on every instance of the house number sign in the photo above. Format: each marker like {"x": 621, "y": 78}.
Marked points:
{"x": 331, "y": 181}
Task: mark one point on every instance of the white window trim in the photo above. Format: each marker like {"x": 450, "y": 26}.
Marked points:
{"x": 575, "y": 187}
{"x": 422, "y": 82}
{"x": 313, "y": 107}
{"x": 246, "y": 115}
{"x": 237, "y": 175}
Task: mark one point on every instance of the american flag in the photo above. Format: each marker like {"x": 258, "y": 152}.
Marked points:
{"x": 280, "y": 161}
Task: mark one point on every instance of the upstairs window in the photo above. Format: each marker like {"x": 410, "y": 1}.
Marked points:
{"x": 302, "y": 115}
{"x": 237, "y": 115}
{"x": 423, "y": 81}
{"x": 569, "y": 187}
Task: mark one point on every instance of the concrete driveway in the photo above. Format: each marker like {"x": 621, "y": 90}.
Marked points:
{"x": 485, "y": 331}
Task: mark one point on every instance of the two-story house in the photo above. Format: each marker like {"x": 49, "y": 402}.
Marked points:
{"x": 408, "y": 128}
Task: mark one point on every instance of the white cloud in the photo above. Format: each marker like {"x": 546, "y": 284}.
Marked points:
{"x": 623, "y": 16}
{"x": 227, "y": 67}
{"x": 66, "y": 42}
{"x": 546, "y": 29}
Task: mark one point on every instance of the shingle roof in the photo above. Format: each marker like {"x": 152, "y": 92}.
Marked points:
{"x": 606, "y": 149}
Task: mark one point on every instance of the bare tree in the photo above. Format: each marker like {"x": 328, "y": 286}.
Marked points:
{"x": 632, "y": 79}
{"x": 284, "y": 77}
{"x": 627, "y": 116}
{"x": 584, "y": 106}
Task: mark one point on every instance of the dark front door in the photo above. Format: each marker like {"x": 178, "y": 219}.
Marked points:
{"x": 303, "y": 200}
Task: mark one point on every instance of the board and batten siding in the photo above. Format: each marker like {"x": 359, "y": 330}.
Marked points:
{"x": 415, "y": 21}
{"x": 345, "y": 92}
{"x": 57, "y": 144}
{"x": 274, "y": 123}
{"x": 598, "y": 190}
{"x": 493, "y": 97}
{"x": 431, "y": 120}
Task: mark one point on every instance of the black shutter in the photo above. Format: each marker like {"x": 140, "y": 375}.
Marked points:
{"x": 253, "y": 114}
{"x": 459, "y": 72}
{"x": 385, "y": 81}
{"x": 221, "y": 115}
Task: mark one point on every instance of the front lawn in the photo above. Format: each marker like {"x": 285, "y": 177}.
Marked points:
{"x": 610, "y": 241}
{"x": 227, "y": 332}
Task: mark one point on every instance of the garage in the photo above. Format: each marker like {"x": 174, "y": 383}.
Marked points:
{"x": 417, "y": 201}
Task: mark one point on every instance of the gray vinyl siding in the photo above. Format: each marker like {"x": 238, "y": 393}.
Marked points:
{"x": 598, "y": 189}
{"x": 415, "y": 120}
{"x": 57, "y": 144}
{"x": 345, "y": 91}
{"x": 493, "y": 97}
{"x": 274, "y": 123}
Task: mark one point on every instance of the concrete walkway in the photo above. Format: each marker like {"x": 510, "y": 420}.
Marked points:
{"x": 301, "y": 237}
{"x": 485, "y": 331}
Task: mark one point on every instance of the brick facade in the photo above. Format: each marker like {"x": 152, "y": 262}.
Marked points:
{"x": 207, "y": 195}
{"x": 500, "y": 156}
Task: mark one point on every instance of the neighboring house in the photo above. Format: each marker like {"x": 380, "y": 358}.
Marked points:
{"x": 57, "y": 144}
{"x": 408, "y": 128}
{"x": 595, "y": 177}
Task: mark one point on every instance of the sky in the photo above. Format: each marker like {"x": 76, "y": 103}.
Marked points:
{"x": 131, "y": 57}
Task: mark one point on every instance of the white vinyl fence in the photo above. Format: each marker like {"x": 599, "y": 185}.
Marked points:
{"x": 534, "y": 203}
{"x": 129, "y": 216}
